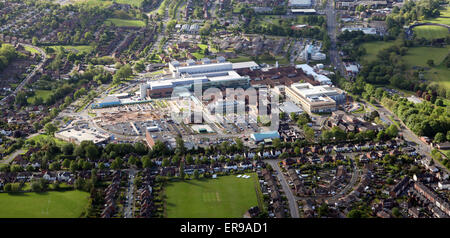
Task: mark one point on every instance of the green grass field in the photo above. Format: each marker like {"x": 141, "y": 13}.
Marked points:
{"x": 224, "y": 197}
{"x": 240, "y": 58}
{"x": 127, "y": 23}
{"x": 32, "y": 50}
{"x": 74, "y": 48}
{"x": 44, "y": 94}
{"x": 417, "y": 56}
{"x": 44, "y": 138}
{"x": 444, "y": 17}
{"x": 431, "y": 32}
{"x": 372, "y": 49}
{"x": 135, "y": 3}
{"x": 439, "y": 74}
{"x": 68, "y": 204}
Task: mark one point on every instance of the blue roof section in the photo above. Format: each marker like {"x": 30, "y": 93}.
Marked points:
{"x": 265, "y": 135}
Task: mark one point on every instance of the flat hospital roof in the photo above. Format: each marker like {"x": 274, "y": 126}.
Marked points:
{"x": 243, "y": 65}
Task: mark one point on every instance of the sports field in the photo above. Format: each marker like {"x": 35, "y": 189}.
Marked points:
{"x": 224, "y": 197}
{"x": 68, "y": 204}
{"x": 431, "y": 32}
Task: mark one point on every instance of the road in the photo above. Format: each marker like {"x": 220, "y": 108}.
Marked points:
{"x": 350, "y": 185}
{"x": 129, "y": 203}
{"x": 10, "y": 157}
{"x": 420, "y": 146}
{"x": 331, "y": 28}
{"x": 155, "y": 45}
{"x": 31, "y": 75}
{"x": 293, "y": 206}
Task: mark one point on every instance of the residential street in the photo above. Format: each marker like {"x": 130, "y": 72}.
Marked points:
{"x": 129, "y": 202}
{"x": 421, "y": 147}
{"x": 31, "y": 75}
{"x": 293, "y": 207}
{"x": 10, "y": 157}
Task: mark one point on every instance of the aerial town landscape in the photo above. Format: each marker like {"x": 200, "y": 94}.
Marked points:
{"x": 224, "y": 109}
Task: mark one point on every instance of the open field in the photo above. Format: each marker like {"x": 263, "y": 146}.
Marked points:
{"x": 444, "y": 17}
{"x": 431, "y": 32}
{"x": 418, "y": 56}
{"x": 240, "y": 58}
{"x": 44, "y": 94}
{"x": 74, "y": 48}
{"x": 43, "y": 138}
{"x": 135, "y": 3}
{"x": 68, "y": 204}
{"x": 122, "y": 22}
{"x": 372, "y": 49}
{"x": 31, "y": 50}
{"x": 224, "y": 197}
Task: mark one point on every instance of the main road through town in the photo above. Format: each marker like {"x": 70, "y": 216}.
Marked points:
{"x": 331, "y": 28}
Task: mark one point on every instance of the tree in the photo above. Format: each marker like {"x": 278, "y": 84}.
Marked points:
{"x": 182, "y": 174}
{"x": 67, "y": 149}
{"x": 439, "y": 137}
{"x": 7, "y": 187}
{"x": 276, "y": 143}
{"x": 139, "y": 67}
{"x": 35, "y": 40}
{"x": 392, "y": 131}
{"x": 196, "y": 174}
{"x": 323, "y": 210}
{"x": 189, "y": 159}
{"x": 21, "y": 99}
{"x": 180, "y": 148}
{"x": 355, "y": 213}
{"x": 123, "y": 73}
{"x": 146, "y": 162}
{"x": 50, "y": 128}
{"x": 92, "y": 152}
{"x": 309, "y": 133}
{"x": 117, "y": 163}
{"x": 396, "y": 212}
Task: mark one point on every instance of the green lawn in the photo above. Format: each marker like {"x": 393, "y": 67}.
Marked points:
{"x": 122, "y": 22}
{"x": 44, "y": 94}
{"x": 224, "y": 197}
{"x": 431, "y": 32}
{"x": 439, "y": 73}
{"x": 240, "y": 58}
{"x": 68, "y": 204}
{"x": 31, "y": 50}
{"x": 43, "y": 138}
{"x": 444, "y": 17}
{"x": 372, "y": 49}
{"x": 417, "y": 56}
{"x": 135, "y": 3}
{"x": 74, "y": 48}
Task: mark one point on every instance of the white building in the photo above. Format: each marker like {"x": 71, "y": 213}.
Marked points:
{"x": 365, "y": 30}
{"x": 300, "y": 3}
{"x": 322, "y": 79}
{"x": 315, "y": 98}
